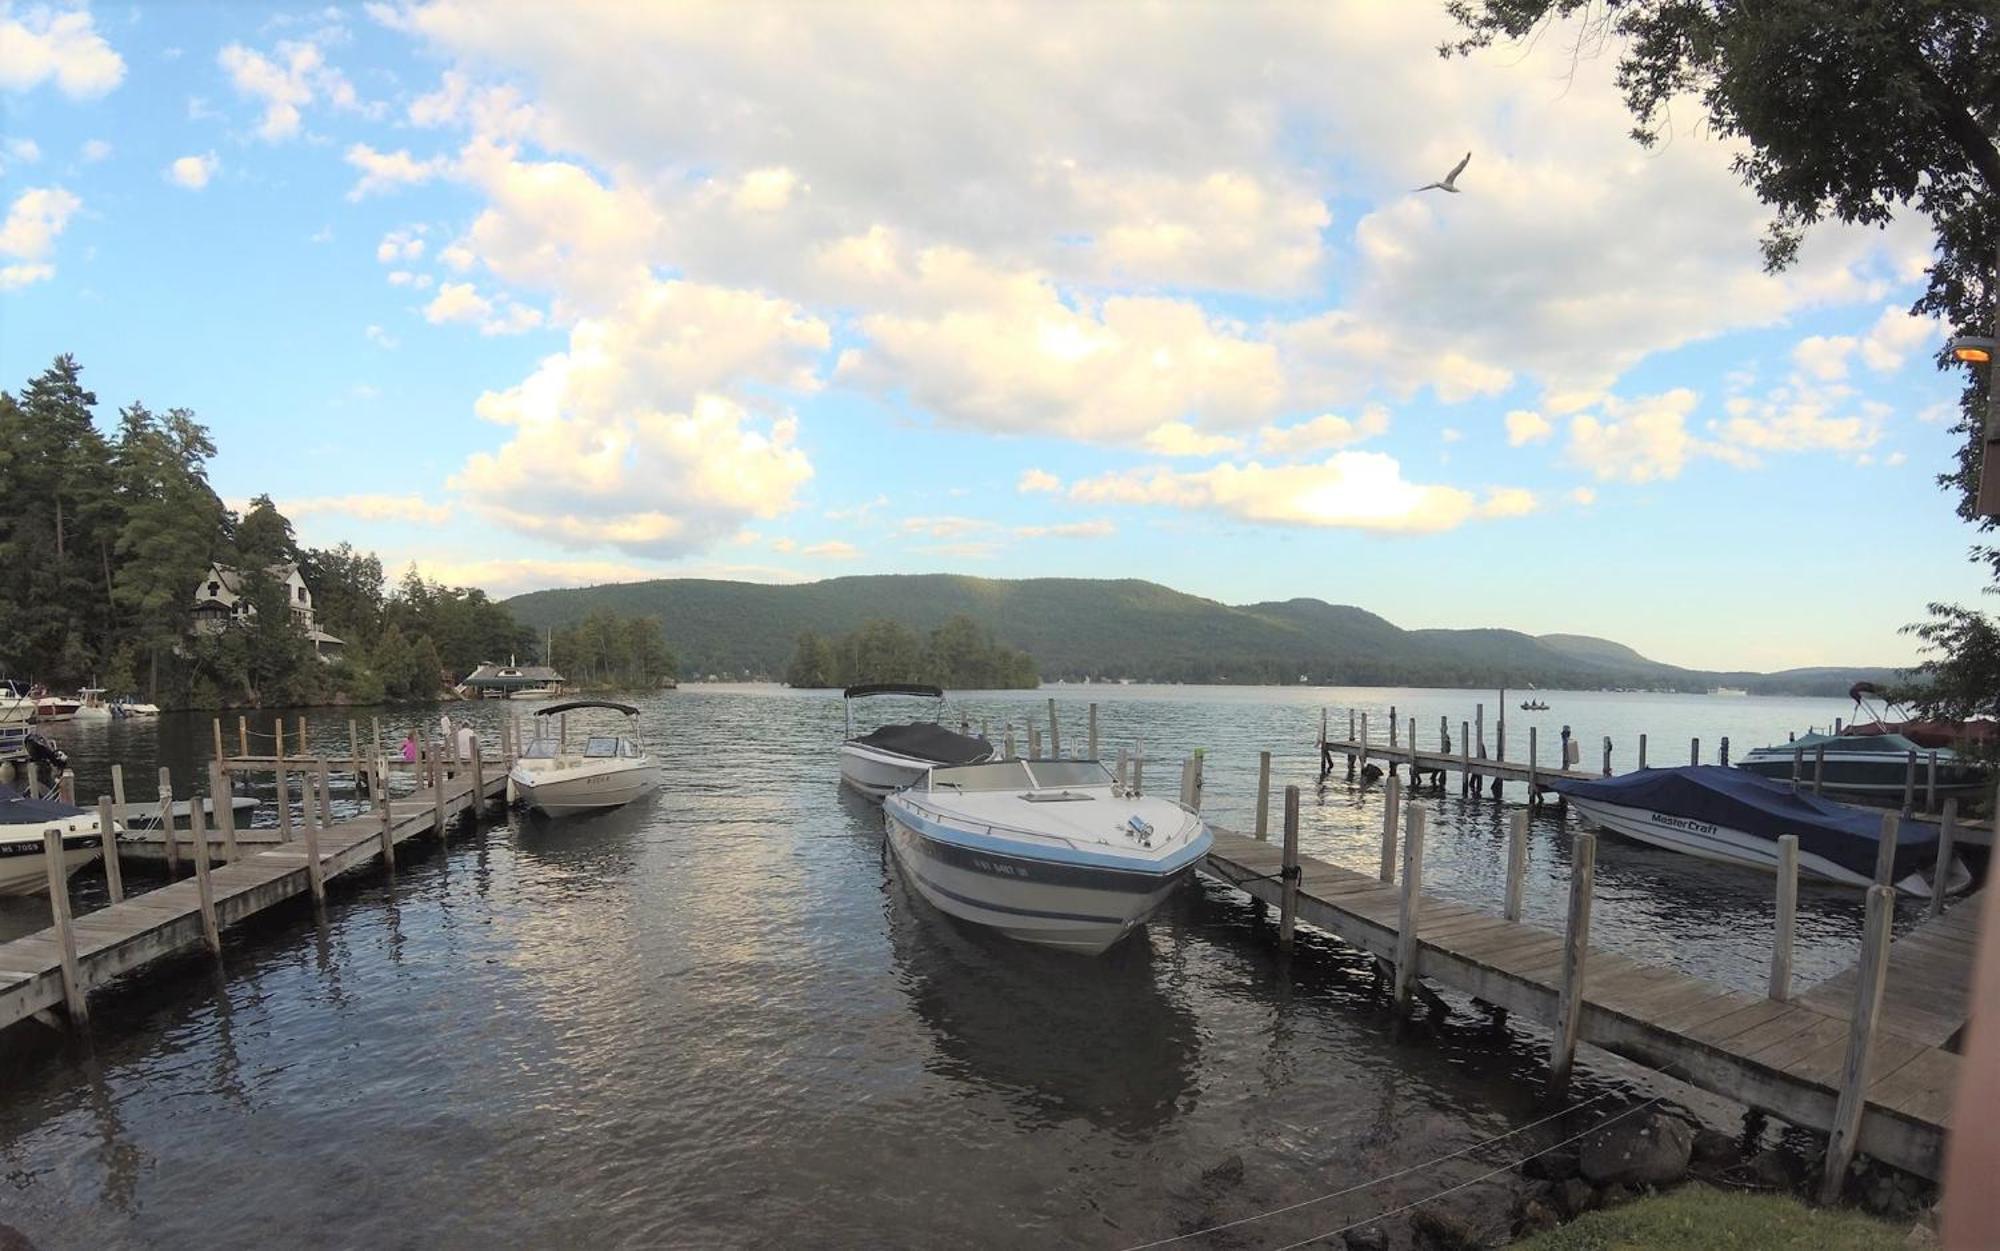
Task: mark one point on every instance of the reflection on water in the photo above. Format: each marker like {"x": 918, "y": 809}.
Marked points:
{"x": 720, "y": 1018}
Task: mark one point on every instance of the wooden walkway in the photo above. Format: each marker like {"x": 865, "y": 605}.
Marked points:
{"x": 117, "y": 939}
{"x": 1783, "y": 1058}
{"x": 1928, "y": 995}
{"x": 1418, "y": 761}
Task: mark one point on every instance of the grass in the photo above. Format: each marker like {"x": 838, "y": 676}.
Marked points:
{"x": 1698, "y": 1218}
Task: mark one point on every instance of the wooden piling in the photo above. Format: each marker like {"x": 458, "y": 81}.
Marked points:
{"x": 1392, "y": 803}
{"x": 211, "y": 931}
{"x": 437, "y": 792}
{"x": 1576, "y": 943}
{"x": 1139, "y": 771}
{"x": 1517, "y": 864}
{"x": 1947, "y": 835}
{"x": 478, "y": 778}
{"x": 325, "y": 795}
{"x": 1364, "y": 740}
{"x": 354, "y": 754}
{"x": 107, "y": 830}
{"x": 1093, "y": 731}
{"x": 284, "y": 801}
{"x": 382, "y": 803}
{"x": 1055, "y": 730}
{"x": 301, "y": 722}
{"x": 1798, "y": 766}
{"x": 1819, "y": 765}
{"x": 1642, "y": 751}
{"x": 1722, "y": 752}
{"x": 1868, "y": 980}
{"x": 1350, "y": 738}
{"x": 1288, "y": 897}
{"x": 1119, "y": 773}
{"x": 1010, "y": 741}
{"x": 1788, "y": 909}
{"x": 278, "y": 742}
{"x": 1409, "y": 910}
{"x": 1910, "y": 782}
{"x": 1464, "y": 757}
{"x": 1694, "y": 751}
{"x": 118, "y": 789}
{"x": 1930, "y": 782}
{"x": 1479, "y": 727}
{"x": 225, "y": 811}
{"x": 377, "y": 770}
{"x": 167, "y": 824}
{"x": 66, "y": 787}
{"x": 1534, "y": 785}
{"x": 215, "y": 724}
{"x": 242, "y": 735}
{"x": 315, "y": 871}
{"x": 1187, "y": 783}
{"x": 1264, "y": 795}
{"x": 1607, "y": 755}
{"x": 1885, "y": 850}
{"x": 72, "y": 974}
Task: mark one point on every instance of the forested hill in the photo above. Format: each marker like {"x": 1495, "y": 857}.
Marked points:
{"x": 1105, "y": 629}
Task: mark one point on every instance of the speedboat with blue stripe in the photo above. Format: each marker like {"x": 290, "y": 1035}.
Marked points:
{"x": 1048, "y": 851}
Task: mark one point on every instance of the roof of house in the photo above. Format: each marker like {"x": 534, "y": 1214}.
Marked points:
{"x": 499, "y": 677}
{"x": 231, "y": 579}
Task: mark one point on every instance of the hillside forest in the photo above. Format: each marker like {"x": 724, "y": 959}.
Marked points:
{"x": 105, "y": 538}
{"x": 959, "y": 654}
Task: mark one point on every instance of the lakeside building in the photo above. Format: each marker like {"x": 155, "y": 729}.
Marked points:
{"x": 220, "y": 604}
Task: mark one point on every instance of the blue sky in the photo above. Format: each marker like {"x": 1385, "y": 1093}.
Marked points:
{"x": 538, "y": 296}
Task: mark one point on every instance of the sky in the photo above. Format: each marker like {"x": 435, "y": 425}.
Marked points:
{"x": 538, "y": 295}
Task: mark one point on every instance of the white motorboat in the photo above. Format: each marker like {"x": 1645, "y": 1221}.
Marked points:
{"x": 53, "y": 708}
{"x": 1874, "y": 767}
{"x": 24, "y": 861}
{"x": 16, "y": 707}
{"x": 1733, "y": 817}
{"x": 131, "y": 707}
{"x": 91, "y": 705}
{"x": 604, "y": 771}
{"x": 1048, "y": 851}
{"x": 891, "y": 757}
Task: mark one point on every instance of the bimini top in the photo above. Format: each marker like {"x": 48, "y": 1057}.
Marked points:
{"x": 1736, "y": 800}
{"x": 574, "y": 704}
{"x": 892, "y": 688}
{"x": 929, "y": 742}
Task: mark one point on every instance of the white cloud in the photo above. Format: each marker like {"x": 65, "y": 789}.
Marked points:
{"x": 193, "y": 172}
{"x": 1825, "y": 356}
{"x": 516, "y": 318}
{"x": 1354, "y": 490}
{"x": 382, "y": 172}
{"x": 1583, "y": 497}
{"x": 366, "y": 507}
{"x": 1639, "y": 440}
{"x": 1098, "y": 529}
{"x": 411, "y": 279}
{"x": 1527, "y": 426}
{"x": 831, "y": 549}
{"x": 284, "y": 86}
{"x": 458, "y": 257}
{"x": 34, "y": 220}
{"x": 1796, "y": 417}
{"x": 858, "y": 512}
{"x": 458, "y": 301}
{"x": 1894, "y": 458}
{"x": 1509, "y": 502}
{"x": 380, "y": 338}
{"x": 95, "y": 150}
{"x": 26, "y": 151}
{"x": 1037, "y": 480}
{"x": 51, "y": 45}
{"x": 1323, "y": 433}
{"x": 765, "y": 190}
{"x": 1177, "y": 438}
{"x": 1895, "y": 335}
{"x": 406, "y": 244}
{"x": 943, "y": 527}
{"x": 13, "y": 277}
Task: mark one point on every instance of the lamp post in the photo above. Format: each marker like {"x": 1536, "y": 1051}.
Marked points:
{"x": 1974, "y": 350}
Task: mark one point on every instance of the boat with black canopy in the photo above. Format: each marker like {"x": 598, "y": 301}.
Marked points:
{"x": 24, "y": 860}
{"x": 1734, "y": 817}
{"x": 604, "y": 771}
{"x": 891, "y": 757}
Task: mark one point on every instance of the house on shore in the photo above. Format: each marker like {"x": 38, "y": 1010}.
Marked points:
{"x": 220, "y": 604}
{"x": 511, "y": 681}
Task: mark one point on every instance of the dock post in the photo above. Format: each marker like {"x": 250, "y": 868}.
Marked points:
{"x": 215, "y": 724}
{"x": 1034, "y": 742}
{"x": 1576, "y": 944}
{"x": 211, "y": 932}
{"x": 1187, "y": 782}
{"x": 225, "y": 811}
{"x": 284, "y": 801}
{"x": 1798, "y": 766}
{"x": 1263, "y": 795}
{"x": 1010, "y": 740}
{"x": 1392, "y": 740}
{"x": 1139, "y": 770}
{"x": 1464, "y": 757}
{"x": 436, "y": 779}
{"x": 315, "y": 871}
{"x": 1093, "y": 731}
{"x": 1819, "y": 765}
{"x": 242, "y": 735}
{"x": 1694, "y": 751}
{"x": 1119, "y": 774}
{"x": 1722, "y": 752}
{"x": 325, "y": 795}
{"x": 107, "y": 831}
{"x": 1642, "y": 751}
{"x": 1055, "y": 730}
{"x": 167, "y": 824}
{"x": 1947, "y": 834}
{"x": 1930, "y": 783}
{"x": 1534, "y": 783}
{"x": 376, "y": 769}
{"x": 1607, "y": 755}
{"x": 1869, "y": 976}
{"x": 1885, "y": 851}
{"x": 66, "y": 787}
{"x": 118, "y": 789}
{"x": 1409, "y": 910}
{"x": 478, "y": 799}
{"x": 1910, "y": 783}
{"x": 302, "y": 732}
{"x": 278, "y": 738}
{"x": 1392, "y": 803}
{"x": 1788, "y": 909}
{"x": 72, "y": 973}
{"x": 1500, "y": 728}
{"x": 1364, "y": 740}
{"x": 1350, "y": 752}
{"x": 1288, "y": 875}
{"x": 354, "y": 754}
{"x": 1479, "y": 727}
{"x": 388, "y": 811}
{"x": 1517, "y": 863}
{"x": 1322, "y": 726}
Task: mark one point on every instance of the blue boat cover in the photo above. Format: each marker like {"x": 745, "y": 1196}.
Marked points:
{"x": 1737, "y": 800}
{"x": 18, "y": 809}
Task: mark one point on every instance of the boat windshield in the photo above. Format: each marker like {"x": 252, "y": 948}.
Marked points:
{"x": 1002, "y": 775}
{"x": 539, "y": 749}
{"x": 599, "y": 747}
{"x": 1069, "y": 773}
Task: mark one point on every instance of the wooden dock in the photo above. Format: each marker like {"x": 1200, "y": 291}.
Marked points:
{"x": 1788, "y": 1057}
{"x": 59, "y": 965}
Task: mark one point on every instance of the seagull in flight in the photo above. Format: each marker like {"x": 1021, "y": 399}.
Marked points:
{"x": 1449, "y": 181}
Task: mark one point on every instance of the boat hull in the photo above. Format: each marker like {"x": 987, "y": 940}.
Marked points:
{"x": 1868, "y": 775}
{"x": 1723, "y": 845}
{"x": 24, "y": 864}
{"x": 568, "y": 793}
{"x": 1071, "y": 907}
{"x": 879, "y": 774}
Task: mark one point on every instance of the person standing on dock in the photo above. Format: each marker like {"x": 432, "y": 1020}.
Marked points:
{"x": 409, "y": 748}
{"x": 466, "y": 741}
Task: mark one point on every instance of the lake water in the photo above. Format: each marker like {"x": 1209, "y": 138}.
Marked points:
{"x": 721, "y": 1018}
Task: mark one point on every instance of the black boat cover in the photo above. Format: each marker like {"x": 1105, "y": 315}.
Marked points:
{"x": 1737, "y": 800}
{"x": 927, "y": 740}
{"x": 18, "y": 809}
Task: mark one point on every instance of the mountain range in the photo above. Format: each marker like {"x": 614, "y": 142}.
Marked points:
{"x": 1106, "y": 629}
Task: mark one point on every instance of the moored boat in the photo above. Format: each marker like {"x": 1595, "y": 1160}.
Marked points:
{"x": 891, "y": 757}
{"x": 1733, "y": 817}
{"x": 1047, "y": 851}
{"x": 1874, "y": 766}
{"x": 24, "y": 861}
{"x": 604, "y": 771}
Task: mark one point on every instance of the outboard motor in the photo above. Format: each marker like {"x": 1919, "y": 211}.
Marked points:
{"x": 44, "y": 750}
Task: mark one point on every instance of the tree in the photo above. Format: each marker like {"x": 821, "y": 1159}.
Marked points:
{"x": 1853, "y": 110}
{"x": 171, "y": 524}
{"x": 347, "y": 590}
{"x": 813, "y": 665}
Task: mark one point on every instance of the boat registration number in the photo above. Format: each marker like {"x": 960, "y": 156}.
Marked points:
{"x": 1001, "y": 870}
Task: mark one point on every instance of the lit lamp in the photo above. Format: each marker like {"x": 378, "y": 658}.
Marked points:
{"x": 1974, "y": 349}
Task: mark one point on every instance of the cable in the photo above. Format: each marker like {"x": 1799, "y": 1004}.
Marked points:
{"x": 1486, "y": 1176}
{"x": 1304, "y": 1203}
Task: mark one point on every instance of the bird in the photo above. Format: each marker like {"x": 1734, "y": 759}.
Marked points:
{"x": 1449, "y": 181}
